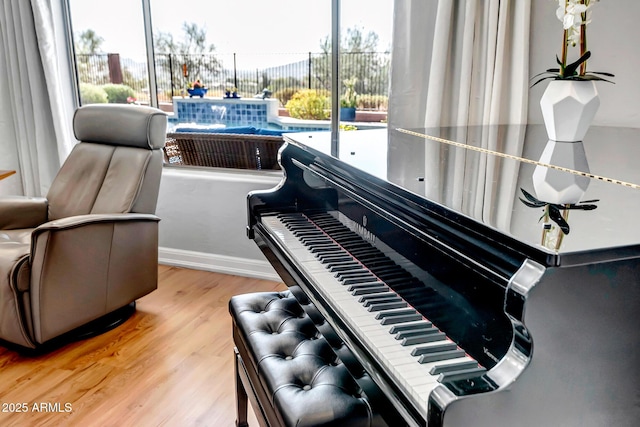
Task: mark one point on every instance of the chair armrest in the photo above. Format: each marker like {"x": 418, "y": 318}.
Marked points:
{"x": 82, "y": 220}
{"x": 22, "y": 212}
{"x": 91, "y": 265}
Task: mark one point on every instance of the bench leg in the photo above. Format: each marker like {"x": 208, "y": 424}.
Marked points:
{"x": 241, "y": 396}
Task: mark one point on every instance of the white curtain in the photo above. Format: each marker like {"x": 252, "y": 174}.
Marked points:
{"x": 456, "y": 63}
{"x": 36, "y": 99}
{"x": 463, "y": 63}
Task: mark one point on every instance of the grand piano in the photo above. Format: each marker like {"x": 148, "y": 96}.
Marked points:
{"x": 457, "y": 289}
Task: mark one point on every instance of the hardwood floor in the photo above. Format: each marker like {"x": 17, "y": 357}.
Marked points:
{"x": 170, "y": 364}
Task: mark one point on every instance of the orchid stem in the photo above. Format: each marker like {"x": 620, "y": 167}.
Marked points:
{"x": 583, "y": 40}
{"x": 563, "y": 55}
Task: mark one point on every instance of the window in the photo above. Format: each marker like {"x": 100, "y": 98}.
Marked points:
{"x": 232, "y": 65}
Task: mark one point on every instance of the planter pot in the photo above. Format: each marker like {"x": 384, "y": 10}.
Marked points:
{"x": 197, "y": 92}
{"x": 556, "y": 186}
{"x": 347, "y": 114}
{"x": 568, "y": 108}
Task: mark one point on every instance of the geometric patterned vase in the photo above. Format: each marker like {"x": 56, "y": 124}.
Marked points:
{"x": 556, "y": 186}
{"x": 568, "y": 108}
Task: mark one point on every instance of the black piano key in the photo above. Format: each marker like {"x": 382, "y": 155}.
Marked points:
{"x": 305, "y": 233}
{"x": 438, "y": 348}
{"x": 386, "y": 306}
{"x": 369, "y": 254}
{"x": 461, "y": 375}
{"x": 357, "y": 279}
{"x": 365, "y": 299}
{"x": 425, "y": 324}
{"x": 339, "y": 256}
{"x": 443, "y": 355}
{"x": 339, "y": 260}
{"x": 384, "y": 298}
{"x": 348, "y": 267}
{"x": 416, "y": 332}
{"x": 401, "y": 319}
{"x": 318, "y": 242}
{"x": 357, "y": 275}
{"x": 452, "y": 367}
{"x": 395, "y": 313}
{"x": 367, "y": 284}
{"x": 423, "y": 339}
{"x": 365, "y": 291}
{"x": 323, "y": 249}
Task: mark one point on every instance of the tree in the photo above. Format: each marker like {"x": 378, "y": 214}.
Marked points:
{"x": 359, "y": 59}
{"x": 89, "y": 43}
{"x": 92, "y": 66}
{"x": 189, "y": 59}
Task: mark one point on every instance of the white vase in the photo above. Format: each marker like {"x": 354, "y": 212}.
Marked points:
{"x": 568, "y": 108}
{"x": 557, "y": 186}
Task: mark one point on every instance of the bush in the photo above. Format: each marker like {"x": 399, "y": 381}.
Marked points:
{"x": 92, "y": 94}
{"x": 284, "y": 95}
{"x": 373, "y": 102}
{"x": 308, "y": 104}
{"x": 118, "y": 94}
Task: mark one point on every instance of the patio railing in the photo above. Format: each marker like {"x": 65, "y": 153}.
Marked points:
{"x": 221, "y": 71}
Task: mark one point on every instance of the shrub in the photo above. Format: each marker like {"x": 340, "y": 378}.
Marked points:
{"x": 92, "y": 94}
{"x": 373, "y": 102}
{"x": 285, "y": 94}
{"x": 308, "y": 104}
{"x": 118, "y": 94}
{"x": 350, "y": 97}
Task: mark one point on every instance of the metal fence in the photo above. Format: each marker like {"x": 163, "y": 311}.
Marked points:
{"x": 221, "y": 71}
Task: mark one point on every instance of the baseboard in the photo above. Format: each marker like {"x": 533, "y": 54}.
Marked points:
{"x": 217, "y": 263}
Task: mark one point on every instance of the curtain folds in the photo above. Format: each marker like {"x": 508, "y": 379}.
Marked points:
{"x": 466, "y": 61}
{"x": 463, "y": 63}
{"x": 36, "y": 106}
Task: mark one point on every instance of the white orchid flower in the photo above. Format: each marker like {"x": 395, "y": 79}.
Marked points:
{"x": 575, "y": 15}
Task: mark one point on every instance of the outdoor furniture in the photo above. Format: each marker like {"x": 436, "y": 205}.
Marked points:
{"x": 252, "y": 149}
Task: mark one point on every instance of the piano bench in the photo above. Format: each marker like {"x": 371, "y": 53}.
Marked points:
{"x": 288, "y": 369}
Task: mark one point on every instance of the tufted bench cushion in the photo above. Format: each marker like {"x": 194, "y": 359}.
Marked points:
{"x": 293, "y": 371}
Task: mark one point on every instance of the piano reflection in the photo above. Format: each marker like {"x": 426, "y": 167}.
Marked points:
{"x": 423, "y": 258}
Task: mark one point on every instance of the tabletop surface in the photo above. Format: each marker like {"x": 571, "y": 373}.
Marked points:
{"x": 481, "y": 172}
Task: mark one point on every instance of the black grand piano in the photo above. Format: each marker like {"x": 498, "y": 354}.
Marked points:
{"x": 468, "y": 300}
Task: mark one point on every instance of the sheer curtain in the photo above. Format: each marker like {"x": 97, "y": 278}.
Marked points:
{"x": 463, "y": 63}
{"x": 36, "y": 96}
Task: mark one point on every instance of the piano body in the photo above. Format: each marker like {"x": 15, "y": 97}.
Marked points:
{"x": 423, "y": 259}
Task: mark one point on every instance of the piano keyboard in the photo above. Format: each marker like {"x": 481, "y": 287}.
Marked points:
{"x": 409, "y": 346}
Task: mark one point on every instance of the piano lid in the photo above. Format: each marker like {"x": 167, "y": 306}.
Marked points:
{"x": 487, "y": 173}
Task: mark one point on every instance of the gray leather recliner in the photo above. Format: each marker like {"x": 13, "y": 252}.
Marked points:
{"x": 90, "y": 247}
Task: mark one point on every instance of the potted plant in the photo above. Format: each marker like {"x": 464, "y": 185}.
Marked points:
{"x": 571, "y": 86}
{"x": 568, "y": 105}
{"x": 197, "y": 89}
{"x": 349, "y": 101}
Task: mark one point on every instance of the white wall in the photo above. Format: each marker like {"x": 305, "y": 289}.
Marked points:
{"x": 614, "y": 47}
{"x": 204, "y": 217}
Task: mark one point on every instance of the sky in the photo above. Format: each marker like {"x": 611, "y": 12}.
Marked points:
{"x": 241, "y": 26}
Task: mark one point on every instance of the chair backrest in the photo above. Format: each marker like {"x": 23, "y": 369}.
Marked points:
{"x": 117, "y": 165}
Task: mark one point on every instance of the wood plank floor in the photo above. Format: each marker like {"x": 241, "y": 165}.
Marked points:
{"x": 170, "y": 364}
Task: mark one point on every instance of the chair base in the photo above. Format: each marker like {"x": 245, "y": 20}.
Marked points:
{"x": 103, "y": 324}
{"x": 94, "y": 328}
